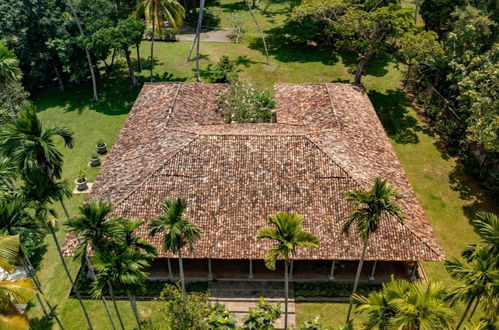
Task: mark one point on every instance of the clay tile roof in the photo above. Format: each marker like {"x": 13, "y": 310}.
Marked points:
{"x": 327, "y": 141}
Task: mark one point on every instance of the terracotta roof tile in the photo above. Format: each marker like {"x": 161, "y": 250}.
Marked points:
{"x": 328, "y": 140}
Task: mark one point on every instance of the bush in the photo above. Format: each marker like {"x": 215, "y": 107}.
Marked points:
{"x": 224, "y": 71}
{"x": 169, "y": 35}
{"x": 263, "y": 316}
{"x": 321, "y": 289}
{"x": 244, "y": 103}
{"x": 210, "y": 20}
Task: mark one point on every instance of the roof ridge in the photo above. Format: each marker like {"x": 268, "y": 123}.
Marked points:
{"x": 153, "y": 172}
{"x": 358, "y": 184}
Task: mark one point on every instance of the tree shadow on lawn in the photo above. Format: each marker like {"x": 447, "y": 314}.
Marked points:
{"x": 41, "y": 323}
{"x": 376, "y": 67}
{"x": 285, "y": 50}
{"x": 116, "y": 97}
{"x": 470, "y": 191}
{"x": 399, "y": 124}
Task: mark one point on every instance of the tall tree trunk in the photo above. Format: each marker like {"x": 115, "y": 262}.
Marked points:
{"x": 198, "y": 35}
{"x": 194, "y": 43}
{"x": 357, "y": 278}
{"x": 60, "y": 82}
{"x": 286, "y": 292}
{"x": 259, "y": 31}
{"x": 364, "y": 59}
{"x": 111, "y": 66}
{"x": 32, "y": 273}
{"x": 89, "y": 60}
{"x": 474, "y": 309}
{"x": 465, "y": 313}
{"x": 63, "y": 205}
{"x": 139, "y": 62}
{"x": 111, "y": 292}
{"x": 68, "y": 274}
{"x": 152, "y": 48}
{"x": 108, "y": 311}
{"x": 131, "y": 73}
{"x": 134, "y": 308}
{"x": 182, "y": 279}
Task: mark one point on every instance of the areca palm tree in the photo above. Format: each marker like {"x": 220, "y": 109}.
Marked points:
{"x": 259, "y": 30}
{"x": 42, "y": 193}
{"x": 92, "y": 229}
{"x": 122, "y": 266}
{"x": 287, "y": 235}
{"x": 177, "y": 232}
{"x": 157, "y": 13}
{"x": 370, "y": 206}
{"x": 13, "y": 293}
{"x": 486, "y": 225}
{"x": 9, "y": 70}
{"x": 422, "y": 307}
{"x": 480, "y": 279}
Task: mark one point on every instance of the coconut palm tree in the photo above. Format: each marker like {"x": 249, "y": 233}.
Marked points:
{"x": 93, "y": 229}
{"x": 157, "y": 14}
{"x": 87, "y": 54}
{"x": 122, "y": 266}
{"x": 9, "y": 70}
{"x": 31, "y": 147}
{"x": 422, "y": 307}
{"x": 13, "y": 293}
{"x": 177, "y": 232}
{"x": 486, "y": 225}
{"x": 479, "y": 276}
{"x": 370, "y": 206}
{"x": 287, "y": 235}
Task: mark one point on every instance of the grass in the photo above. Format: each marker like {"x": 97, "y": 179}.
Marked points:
{"x": 448, "y": 197}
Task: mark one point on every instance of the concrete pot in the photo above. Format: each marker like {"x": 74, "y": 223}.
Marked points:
{"x": 94, "y": 162}
{"x": 101, "y": 149}
{"x": 81, "y": 186}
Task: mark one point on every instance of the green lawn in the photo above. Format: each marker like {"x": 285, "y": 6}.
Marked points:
{"x": 448, "y": 197}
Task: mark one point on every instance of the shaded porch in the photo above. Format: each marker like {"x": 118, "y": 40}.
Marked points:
{"x": 300, "y": 270}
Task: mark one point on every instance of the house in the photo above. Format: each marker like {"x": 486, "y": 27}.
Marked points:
{"x": 327, "y": 140}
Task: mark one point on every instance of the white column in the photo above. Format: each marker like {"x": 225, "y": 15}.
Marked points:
{"x": 250, "y": 275}
{"x": 170, "y": 273}
{"x": 210, "y": 274}
{"x": 373, "y": 270}
{"x": 331, "y": 276}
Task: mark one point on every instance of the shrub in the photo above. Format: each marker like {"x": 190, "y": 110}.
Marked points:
{"x": 263, "y": 316}
{"x": 321, "y": 289}
{"x": 224, "y": 71}
{"x": 314, "y": 324}
{"x": 169, "y": 35}
{"x": 244, "y": 103}
{"x": 210, "y": 20}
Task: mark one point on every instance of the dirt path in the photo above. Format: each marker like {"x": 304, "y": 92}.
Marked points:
{"x": 222, "y": 35}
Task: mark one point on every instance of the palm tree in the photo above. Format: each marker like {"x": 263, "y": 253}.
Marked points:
{"x": 287, "y": 234}
{"x": 42, "y": 194}
{"x": 157, "y": 13}
{"x": 479, "y": 278}
{"x": 92, "y": 229}
{"x": 121, "y": 266}
{"x": 89, "y": 59}
{"x": 32, "y": 147}
{"x": 486, "y": 225}
{"x": 422, "y": 307}
{"x": 13, "y": 293}
{"x": 371, "y": 206}
{"x": 177, "y": 232}
{"x": 9, "y": 70}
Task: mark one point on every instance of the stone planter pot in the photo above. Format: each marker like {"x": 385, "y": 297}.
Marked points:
{"x": 81, "y": 186}
{"x": 94, "y": 162}
{"x": 101, "y": 149}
